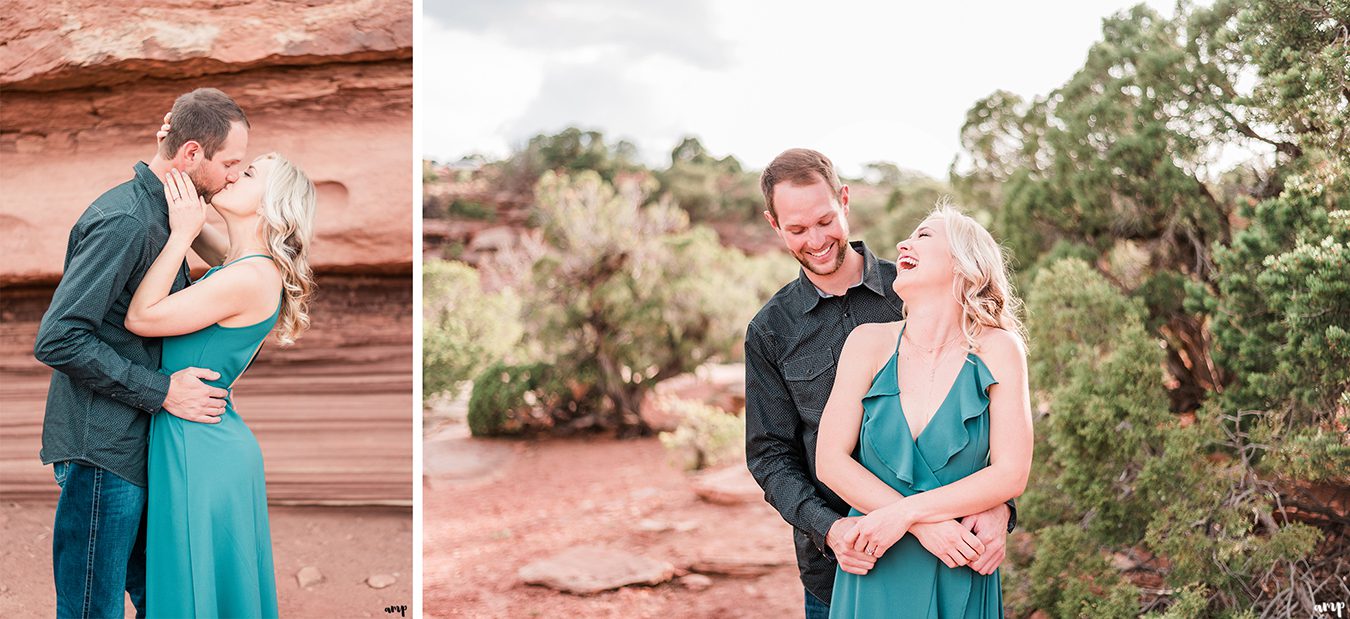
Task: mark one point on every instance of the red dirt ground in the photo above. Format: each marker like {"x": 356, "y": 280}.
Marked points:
{"x": 491, "y": 507}
{"x": 346, "y": 544}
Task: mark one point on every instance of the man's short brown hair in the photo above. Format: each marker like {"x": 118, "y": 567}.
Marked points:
{"x": 203, "y": 116}
{"x": 797, "y": 166}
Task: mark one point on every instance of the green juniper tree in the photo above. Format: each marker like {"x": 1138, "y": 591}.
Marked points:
{"x": 1225, "y": 291}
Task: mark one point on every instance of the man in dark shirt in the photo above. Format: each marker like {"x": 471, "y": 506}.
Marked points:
{"x": 792, "y": 349}
{"x": 106, "y": 382}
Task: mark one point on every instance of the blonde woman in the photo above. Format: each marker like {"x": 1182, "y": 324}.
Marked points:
{"x": 937, "y": 408}
{"x": 208, "y": 546}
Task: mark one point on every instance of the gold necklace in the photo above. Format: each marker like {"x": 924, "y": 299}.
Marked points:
{"x": 932, "y": 367}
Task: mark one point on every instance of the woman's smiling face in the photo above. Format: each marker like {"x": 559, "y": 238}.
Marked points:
{"x": 924, "y": 260}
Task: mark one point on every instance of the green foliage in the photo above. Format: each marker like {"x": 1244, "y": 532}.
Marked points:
{"x": 629, "y": 292}
{"x": 1071, "y": 577}
{"x": 506, "y": 398}
{"x": 460, "y": 208}
{"x": 1119, "y": 474}
{"x": 707, "y": 188}
{"x": 1244, "y": 283}
{"x": 1282, "y": 304}
{"x": 1105, "y": 382}
{"x": 1301, "y": 50}
{"x": 569, "y": 151}
{"x": 705, "y": 436}
{"x": 463, "y": 328}
{"x": 528, "y": 398}
{"x": 908, "y": 198}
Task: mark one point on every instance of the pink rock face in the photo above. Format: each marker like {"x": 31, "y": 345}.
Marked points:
{"x": 59, "y": 46}
{"x": 329, "y": 86}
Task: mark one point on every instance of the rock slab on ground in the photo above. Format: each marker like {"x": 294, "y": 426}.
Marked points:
{"x": 308, "y": 576}
{"x": 380, "y": 581}
{"x": 732, "y": 485}
{"x": 739, "y": 564}
{"x": 589, "y": 569}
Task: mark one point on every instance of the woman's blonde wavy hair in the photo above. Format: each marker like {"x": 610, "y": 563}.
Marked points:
{"x": 287, "y": 224}
{"x": 982, "y": 284}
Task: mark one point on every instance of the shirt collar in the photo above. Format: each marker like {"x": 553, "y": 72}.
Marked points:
{"x": 155, "y": 187}
{"x": 808, "y": 296}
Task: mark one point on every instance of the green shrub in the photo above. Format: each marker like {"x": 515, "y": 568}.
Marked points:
{"x": 463, "y": 328}
{"x": 461, "y": 208}
{"x": 630, "y": 294}
{"x": 506, "y": 399}
{"x": 530, "y": 398}
{"x": 706, "y": 435}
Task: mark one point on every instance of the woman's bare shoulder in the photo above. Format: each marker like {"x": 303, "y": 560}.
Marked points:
{"x": 1002, "y": 350}
{"x": 869, "y": 341}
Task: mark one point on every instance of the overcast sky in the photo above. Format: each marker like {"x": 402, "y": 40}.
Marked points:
{"x": 862, "y": 81}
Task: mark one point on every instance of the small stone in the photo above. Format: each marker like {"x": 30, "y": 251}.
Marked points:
{"x": 652, "y": 526}
{"x": 696, "y": 582}
{"x": 308, "y": 576}
{"x": 380, "y": 581}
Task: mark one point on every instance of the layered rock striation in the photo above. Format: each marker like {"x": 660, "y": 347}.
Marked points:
{"x": 83, "y": 86}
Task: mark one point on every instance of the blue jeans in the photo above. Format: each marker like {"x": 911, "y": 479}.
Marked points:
{"x": 98, "y": 542}
{"x": 816, "y": 609}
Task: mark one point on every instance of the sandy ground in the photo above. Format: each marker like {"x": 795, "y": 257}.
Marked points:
{"x": 491, "y": 507}
{"x": 347, "y": 545}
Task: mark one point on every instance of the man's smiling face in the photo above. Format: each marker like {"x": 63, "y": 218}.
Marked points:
{"x": 813, "y": 224}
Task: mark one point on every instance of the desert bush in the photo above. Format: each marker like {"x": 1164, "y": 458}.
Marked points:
{"x": 506, "y": 399}
{"x": 707, "y": 188}
{"x": 705, "y": 435}
{"x": 530, "y": 398}
{"x": 464, "y": 329}
{"x": 630, "y": 293}
{"x": 1230, "y": 295}
{"x": 1121, "y": 477}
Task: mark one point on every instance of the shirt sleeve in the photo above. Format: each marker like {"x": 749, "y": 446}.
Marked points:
{"x": 773, "y": 446}
{"x": 100, "y": 268}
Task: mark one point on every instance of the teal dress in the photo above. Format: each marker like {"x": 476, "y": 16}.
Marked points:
{"x": 208, "y": 548}
{"x": 907, "y": 580}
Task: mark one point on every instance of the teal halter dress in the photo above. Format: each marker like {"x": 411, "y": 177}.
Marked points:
{"x": 208, "y": 547}
{"x": 908, "y": 581}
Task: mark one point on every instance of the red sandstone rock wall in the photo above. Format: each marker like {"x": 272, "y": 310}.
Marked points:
{"x": 83, "y": 86}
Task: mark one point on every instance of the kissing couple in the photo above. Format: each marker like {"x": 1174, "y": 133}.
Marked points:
{"x": 162, "y": 485}
{"x": 888, "y": 417}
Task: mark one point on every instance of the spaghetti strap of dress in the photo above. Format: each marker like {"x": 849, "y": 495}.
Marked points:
{"x": 245, "y": 258}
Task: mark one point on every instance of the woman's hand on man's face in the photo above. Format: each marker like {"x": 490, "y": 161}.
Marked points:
{"x": 187, "y": 210}
{"x": 163, "y": 129}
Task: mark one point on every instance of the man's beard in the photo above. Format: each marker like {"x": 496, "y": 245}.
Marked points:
{"x": 838, "y": 260}
{"x": 202, "y": 188}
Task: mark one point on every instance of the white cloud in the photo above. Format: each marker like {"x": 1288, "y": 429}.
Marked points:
{"x": 861, "y": 81}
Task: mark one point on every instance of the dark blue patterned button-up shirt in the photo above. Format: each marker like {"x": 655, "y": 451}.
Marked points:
{"x": 107, "y": 381}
